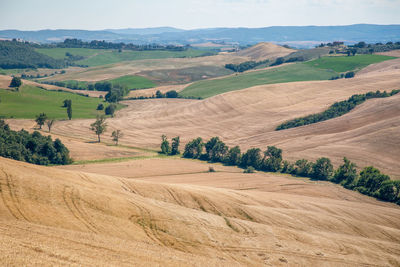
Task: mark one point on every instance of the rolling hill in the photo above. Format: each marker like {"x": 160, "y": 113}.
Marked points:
{"x": 264, "y": 51}
{"x": 302, "y": 36}
{"x": 57, "y": 217}
{"x": 249, "y": 117}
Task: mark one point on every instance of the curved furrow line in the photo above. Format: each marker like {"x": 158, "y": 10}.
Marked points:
{"x": 69, "y": 202}
{"x": 13, "y": 206}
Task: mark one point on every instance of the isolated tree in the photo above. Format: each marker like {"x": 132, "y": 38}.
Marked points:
{"x": 99, "y": 126}
{"x": 69, "y": 110}
{"x": 16, "y": 82}
{"x": 100, "y": 106}
{"x": 165, "y": 147}
{"x": 50, "y": 124}
{"x": 40, "y": 119}
{"x": 175, "y": 146}
{"x": 66, "y": 103}
{"x": 116, "y": 135}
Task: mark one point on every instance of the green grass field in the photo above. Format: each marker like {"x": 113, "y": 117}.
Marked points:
{"x": 290, "y": 73}
{"x": 98, "y": 57}
{"x": 134, "y": 82}
{"x": 345, "y": 63}
{"x": 110, "y": 57}
{"x": 31, "y": 100}
{"x": 59, "y": 53}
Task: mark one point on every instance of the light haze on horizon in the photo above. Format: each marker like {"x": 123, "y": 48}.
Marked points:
{"x": 192, "y": 14}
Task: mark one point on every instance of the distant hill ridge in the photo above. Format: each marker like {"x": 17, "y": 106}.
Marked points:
{"x": 300, "y": 35}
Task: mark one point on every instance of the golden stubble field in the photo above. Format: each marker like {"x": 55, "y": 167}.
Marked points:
{"x": 53, "y": 217}
{"x": 366, "y": 135}
{"x": 173, "y": 212}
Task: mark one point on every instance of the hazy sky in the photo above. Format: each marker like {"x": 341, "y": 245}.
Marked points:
{"x": 189, "y": 14}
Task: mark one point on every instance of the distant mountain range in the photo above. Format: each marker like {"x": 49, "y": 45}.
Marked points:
{"x": 298, "y": 36}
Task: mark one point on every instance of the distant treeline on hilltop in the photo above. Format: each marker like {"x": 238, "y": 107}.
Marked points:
{"x": 21, "y": 55}
{"x": 95, "y": 44}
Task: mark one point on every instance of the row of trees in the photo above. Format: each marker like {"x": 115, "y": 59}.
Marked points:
{"x": 32, "y": 148}
{"x": 96, "y": 44}
{"x": 370, "y": 181}
{"x": 248, "y": 65}
{"x": 99, "y": 127}
{"x": 346, "y": 75}
{"x": 335, "y": 110}
{"x": 159, "y": 94}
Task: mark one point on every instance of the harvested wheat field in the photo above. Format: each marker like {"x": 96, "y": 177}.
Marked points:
{"x": 263, "y": 51}
{"x": 248, "y": 118}
{"x": 258, "y": 52}
{"x": 53, "y": 217}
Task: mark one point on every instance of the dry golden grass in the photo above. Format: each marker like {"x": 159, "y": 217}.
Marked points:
{"x": 82, "y": 149}
{"x": 248, "y": 117}
{"x": 58, "y": 217}
{"x": 264, "y": 51}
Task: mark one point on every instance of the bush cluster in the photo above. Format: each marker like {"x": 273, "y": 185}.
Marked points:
{"x": 335, "y": 110}
{"x": 369, "y": 181}
{"x": 33, "y": 148}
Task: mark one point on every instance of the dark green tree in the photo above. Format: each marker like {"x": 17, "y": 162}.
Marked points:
{"x": 16, "y": 82}
{"x": 69, "y": 110}
{"x": 388, "y": 191}
{"x": 171, "y": 94}
{"x": 194, "y": 148}
{"x": 252, "y": 158}
{"x": 370, "y": 180}
{"x": 165, "y": 147}
{"x": 175, "y": 146}
{"x": 99, "y": 126}
{"x": 110, "y": 110}
{"x": 216, "y": 150}
{"x": 346, "y": 174}
{"x": 40, "y": 119}
{"x": 303, "y": 168}
{"x": 233, "y": 156}
{"x": 272, "y": 159}
{"x": 322, "y": 169}
{"x": 100, "y": 107}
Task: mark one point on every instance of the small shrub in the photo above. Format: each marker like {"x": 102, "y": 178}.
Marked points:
{"x": 211, "y": 169}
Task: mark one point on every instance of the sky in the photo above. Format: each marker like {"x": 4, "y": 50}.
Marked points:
{"x": 192, "y": 14}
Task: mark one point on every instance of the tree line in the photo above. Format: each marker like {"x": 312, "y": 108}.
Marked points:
{"x": 96, "y": 44}
{"x": 335, "y": 110}
{"x": 248, "y": 65}
{"x": 369, "y": 181}
{"x": 33, "y": 148}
